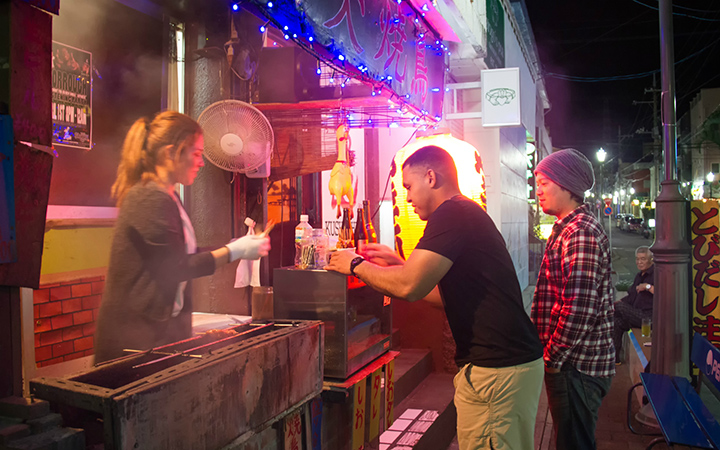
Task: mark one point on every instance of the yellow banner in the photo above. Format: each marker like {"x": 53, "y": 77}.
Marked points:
{"x": 358, "y": 434}
{"x": 293, "y": 431}
{"x": 375, "y": 404}
{"x": 705, "y": 283}
{"x": 389, "y": 393}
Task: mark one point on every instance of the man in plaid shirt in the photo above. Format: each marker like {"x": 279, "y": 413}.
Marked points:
{"x": 573, "y": 304}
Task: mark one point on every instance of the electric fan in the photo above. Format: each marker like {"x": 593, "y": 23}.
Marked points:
{"x": 238, "y": 138}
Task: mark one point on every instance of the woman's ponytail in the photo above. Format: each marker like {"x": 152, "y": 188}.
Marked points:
{"x": 133, "y": 159}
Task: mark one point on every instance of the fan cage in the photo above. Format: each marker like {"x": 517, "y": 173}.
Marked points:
{"x": 248, "y": 124}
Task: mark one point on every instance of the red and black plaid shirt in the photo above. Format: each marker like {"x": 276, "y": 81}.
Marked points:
{"x": 573, "y": 304}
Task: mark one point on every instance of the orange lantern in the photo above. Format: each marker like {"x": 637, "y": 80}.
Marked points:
{"x": 471, "y": 179}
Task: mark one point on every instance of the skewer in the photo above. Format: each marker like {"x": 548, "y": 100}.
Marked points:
{"x": 131, "y": 350}
{"x": 242, "y": 335}
{"x": 268, "y": 228}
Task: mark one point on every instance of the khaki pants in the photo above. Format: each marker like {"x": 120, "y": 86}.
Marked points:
{"x": 497, "y": 407}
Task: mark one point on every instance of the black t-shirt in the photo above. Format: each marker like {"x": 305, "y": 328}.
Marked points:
{"x": 481, "y": 293}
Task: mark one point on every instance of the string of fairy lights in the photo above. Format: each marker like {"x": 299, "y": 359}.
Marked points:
{"x": 340, "y": 68}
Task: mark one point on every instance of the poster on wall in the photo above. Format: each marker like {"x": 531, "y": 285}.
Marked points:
{"x": 8, "y": 244}
{"x": 71, "y": 96}
{"x": 705, "y": 282}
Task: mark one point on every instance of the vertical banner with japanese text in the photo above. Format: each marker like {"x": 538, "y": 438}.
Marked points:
{"x": 705, "y": 284}
{"x": 293, "y": 431}
{"x": 375, "y": 404}
{"x": 358, "y": 433}
{"x": 71, "y": 96}
{"x": 389, "y": 393}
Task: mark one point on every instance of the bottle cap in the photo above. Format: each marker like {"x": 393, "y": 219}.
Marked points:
{"x": 303, "y": 217}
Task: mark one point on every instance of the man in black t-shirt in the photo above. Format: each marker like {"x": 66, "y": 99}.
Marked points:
{"x": 462, "y": 263}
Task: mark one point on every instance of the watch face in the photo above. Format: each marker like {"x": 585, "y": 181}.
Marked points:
{"x": 647, "y": 286}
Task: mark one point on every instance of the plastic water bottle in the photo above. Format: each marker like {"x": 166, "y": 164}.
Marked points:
{"x": 303, "y": 233}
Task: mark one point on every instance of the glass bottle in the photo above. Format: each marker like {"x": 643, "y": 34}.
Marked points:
{"x": 345, "y": 236}
{"x": 360, "y": 236}
{"x": 370, "y": 233}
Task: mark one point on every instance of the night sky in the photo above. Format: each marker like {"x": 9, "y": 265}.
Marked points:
{"x": 600, "y": 42}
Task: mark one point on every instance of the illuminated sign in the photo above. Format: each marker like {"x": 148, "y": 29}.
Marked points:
{"x": 471, "y": 179}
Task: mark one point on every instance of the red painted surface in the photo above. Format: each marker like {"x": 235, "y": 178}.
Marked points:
{"x": 65, "y": 316}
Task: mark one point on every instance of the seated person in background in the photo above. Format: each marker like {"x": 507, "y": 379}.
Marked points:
{"x": 638, "y": 304}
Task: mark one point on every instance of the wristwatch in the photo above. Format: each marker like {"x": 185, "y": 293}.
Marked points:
{"x": 647, "y": 287}
{"x": 354, "y": 263}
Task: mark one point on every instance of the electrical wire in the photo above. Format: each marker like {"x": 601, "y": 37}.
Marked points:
{"x": 624, "y": 77}
{"x": 679, "y": 14}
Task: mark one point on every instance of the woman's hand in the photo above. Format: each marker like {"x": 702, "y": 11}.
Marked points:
{"x": 249, "y": 247}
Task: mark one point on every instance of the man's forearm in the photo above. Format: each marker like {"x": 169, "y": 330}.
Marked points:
{"x": 389, "y": 280}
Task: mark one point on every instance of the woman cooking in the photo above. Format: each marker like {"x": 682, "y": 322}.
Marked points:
{"x": 146, "y": 302}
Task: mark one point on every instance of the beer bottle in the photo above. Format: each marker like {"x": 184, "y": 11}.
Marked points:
{"x": 370, "y": 234}
{"x": 345, "y": 236}
{"x": 360, "y": 236}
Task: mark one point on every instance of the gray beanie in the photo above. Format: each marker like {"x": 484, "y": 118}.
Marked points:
{"x": 569, "y": 169}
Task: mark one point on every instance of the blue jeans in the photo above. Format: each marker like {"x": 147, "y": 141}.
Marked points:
{"x": 574, "y": 400}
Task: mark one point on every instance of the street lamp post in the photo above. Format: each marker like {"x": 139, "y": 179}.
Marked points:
{"x": 671, "y": 321}
{"x": 601, "y": 154}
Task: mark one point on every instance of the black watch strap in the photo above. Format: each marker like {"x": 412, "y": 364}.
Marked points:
{"x": 354, "y": 263}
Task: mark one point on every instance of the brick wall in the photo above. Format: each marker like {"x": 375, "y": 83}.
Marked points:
{"x": 65, "y": 315}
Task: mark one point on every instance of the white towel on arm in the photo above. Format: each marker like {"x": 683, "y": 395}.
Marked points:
{"x": 248, "y": 271}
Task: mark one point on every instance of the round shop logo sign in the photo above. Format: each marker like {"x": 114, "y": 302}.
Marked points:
{"x": 712, "y": 368}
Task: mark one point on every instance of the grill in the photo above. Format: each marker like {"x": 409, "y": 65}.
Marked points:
{"x": 201, "y": 393}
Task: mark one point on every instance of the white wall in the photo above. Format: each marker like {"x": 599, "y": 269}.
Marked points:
{"x": 528, "y": 91}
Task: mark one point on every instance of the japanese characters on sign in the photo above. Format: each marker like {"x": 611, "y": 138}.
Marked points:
{"x": 389, "y": 393}
{"x": 71, "y": 96}
{"x": 375, "y": 404}
{"x": 387, "y": 40}
{"x": 293, "y": 431}
{"x": 705, "y": 285}
{"x": 358, "y": 433}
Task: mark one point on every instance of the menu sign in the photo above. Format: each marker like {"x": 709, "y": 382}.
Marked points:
{"x": 71, "y": 96}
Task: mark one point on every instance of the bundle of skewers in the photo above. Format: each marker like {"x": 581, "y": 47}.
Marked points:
{"x": 307, "y": 257}
{"x": 345, "y": 238}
